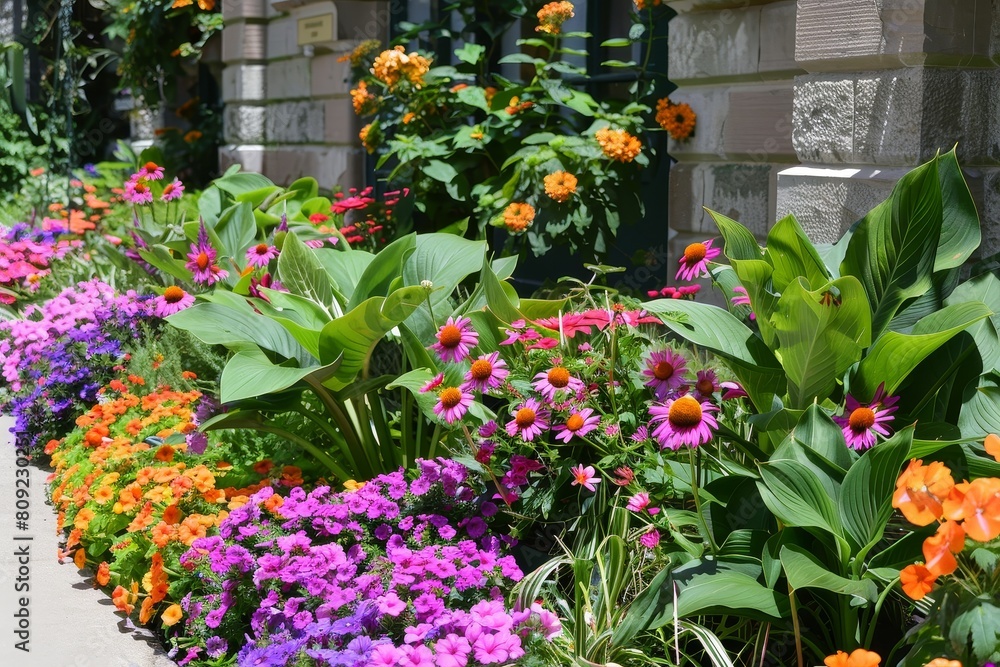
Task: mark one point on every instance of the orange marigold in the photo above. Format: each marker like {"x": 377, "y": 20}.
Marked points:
{"x": 393, "y": 65}
{"x": 552, "y": 16}
{"x": 518, "y": 216}
{"x": 560, "y": 185}
{"x": 361, "y": 53}
{"x": 943, "y": 662}
{"x": 677, "y": 119}
{"x": 618, "y": 144}
{"x": 917, "y": 581}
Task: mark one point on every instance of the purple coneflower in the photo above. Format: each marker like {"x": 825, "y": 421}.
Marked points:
{"x": 201, "y": 260}
{"x": 557, "y": 378}
{"x": 861, "y": 423}
{"x": 150, "y": 170}
{"x": 487, "y": 372}
{"x": 578, "y": 424}
{"x": 172, "y": 191}
{"x": 665, "y": 370}
{"x": 706, "y": 385}
{"x": 530, "y": 420}
{"x": 683, "y": 421}
{"x": 261, "y": 254}
{"x": 694, "y": 261}
{"x": 455, "y": 339}
{"x": 173, "y": 300}
{"x": 137, "y": 192}
{"x": 452, "y": 404}
{"x": 742, "y": 299}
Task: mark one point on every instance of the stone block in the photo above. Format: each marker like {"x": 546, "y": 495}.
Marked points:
{"x": 330, "y": 77}
{"x": 715, "y": 5}
{"x": 888, "y": 116}
{"x": 243, "y": 41}
{"x": 827, "y": 201}
{"x": 243, "y": 82}
{"x": 282, "y": 38}
{"x": 341, "y": 125}
{"x": 777, "y": 39}
{"x": 711, "y": 103}
{"x": 985, "y": 187}
{"x": 250, "y": 156}
{"x": 294, "y": 122}
{"x": 823, "y": 118}
{"x": 706, "y": 45}
{"x": 288, "y": 79}
{"x": 329, "y": 166}
{"x": 243, "y": 124}
{"x": 958, "y": 32}
{"x": 243, "y": 9}
{"x": 759, "y": 126}
{"x": 741, "y": 191}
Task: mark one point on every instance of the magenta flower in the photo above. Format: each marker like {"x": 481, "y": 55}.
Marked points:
{"x": 732, "y": 390}
{"x": 861, "y": 423}
{"x": 530, "y": 420}
{"x": 706, "y": 385}
{"x": 173, "y": 300}
{"x": 452, "y": 404}
{"x": 452, "y": 651}
{"x": 150, "y": 170}
{"x": 201, "y": 260}
{"x": 577, "y": 424}
{"x": 487, "y": 372}
{"x": 491, "y": 648}
{"x": 640, "y": 502}
{"x": 384, "y": 655}
{"x": 585, "y": 477}
{"x": 137, "y": 192}
{"x": 683, "y": 421}
{"x": 556, "y": 379}
{"x": 261, "y": 254}
{"x": 742, "y": 299}
{"x": 172, "y": 191}
{"x": 455, "y": 339}
{"x": 665, "y": 370}
{"x": 650, "y": 539}
{"x": 694, "y": 261}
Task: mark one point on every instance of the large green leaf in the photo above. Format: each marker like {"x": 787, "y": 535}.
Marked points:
{"x": 445, "y": 260}
{"x": 249, "y": 373}
{"x": 803, "y": 570}
{"x": 301, "y": 272}
{"x": 346, "y": 267}
{"x": 980, "y": 414}
{"x": 984, "y": 288}
{"x": 354, "y": 335}
{"x": 960, "y": 234}
{"x": 866, "y": 494}
{"x": 236, "y": 229}
{"x": 383, "y": 269}
{"x": 892, "y": 251}
{"x": 793, "y": 255}
{"x": 894, "y": 355}
{"x": 797, "y": 497}
{"x": 240, "y": 182}
{"x": 716, "y": 329}
{"x": 818, "y": 432}
{"x": 821, "y": 334}
{"x": 160, "y": 257}
{"x": 980, "y": 626}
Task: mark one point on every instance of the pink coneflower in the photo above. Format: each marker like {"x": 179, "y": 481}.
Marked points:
{"x": 665, "y": 370}
{"x": 650, "y": 539}
{"x": 861, "y": 422}
{"x": 683, "y": 421}
{"x": 641, "y": 434}
{"x": 137, "y": 192}
{"x": 261, "y": 254}
{"x": 706, "y": 385}
{"x": 742, "y": 299}
{"x": 585, "y": 477}
{"x": 640, "y": 503}
{"x": 557, "y": 378}
{"x": 455, "y": 339}
{"x": 201, "y": 260}
{"x": 694, "y": 262}
{"x": 578, "y": 424}
{"x": 530, "y": 419}
{"x": 150, "y": 170}
{"x": 452, "y": 404}
{"x": 172, "y": 300}
{"x": 433, "y": 383}
{"x": 172, "y": 191}
{"x": 487, "y": 372}
{"x": 732, "y": 390}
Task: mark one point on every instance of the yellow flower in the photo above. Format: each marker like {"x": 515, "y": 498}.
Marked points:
{"x": 172, "y": 615}
{"x": 552, "y": 16}
{"x": 352, "y": 485}
{"x": 393, "y": 65}
{"x": 618, "y": 144}
{"x": 560, "y": 185}
{"x": 518, "y": 216}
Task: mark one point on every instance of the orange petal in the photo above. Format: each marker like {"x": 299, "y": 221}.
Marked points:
{"x": 992, "y": 444}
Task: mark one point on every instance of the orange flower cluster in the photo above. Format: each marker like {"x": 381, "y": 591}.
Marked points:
{"x": 393, "y": 65}
{"x": 362, "y": 53}
{"x": 552, "y": 16}
{"x": 925, "y": 494}
{"x": 206, "y": 5}
{"x": 560, "y": 185}
{"x": 857, "y": 658}
{"x": 369, "y": 138}
{"x": 677, "y": 119}
{"x": 515, "y": 106}
{"x": 365, "y": 104}
{"x": 518, "y": 216}
{"x": 647, "y": 4}
{"x": 618, "y": 144}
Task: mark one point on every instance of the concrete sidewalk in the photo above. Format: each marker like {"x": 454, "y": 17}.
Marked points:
{"x": 70, "y": 623}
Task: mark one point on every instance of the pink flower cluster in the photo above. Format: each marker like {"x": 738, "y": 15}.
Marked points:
{"x": 26, "y": 255}
{"x": 137, "y": 189}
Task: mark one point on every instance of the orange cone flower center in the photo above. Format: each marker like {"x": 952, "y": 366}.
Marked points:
{"x": 481, "y": 370}
{"x": 173, "y": 294}
{"x": 705, "y": 386}
{"x": 450, "y": 397}
{"x": 450, "y": 335}
{"x": 151, "y": 166}
{"x": 663, "y": 370}
{"x": 139, "y": 187}
{"x": 558, "y": 377}
{"x": 260, "y": 248}
{"x": 685, "y": 412}
{"x": 202, "y": 261}
{"x": 524, "y": 418}
{"x": 574, "y": 423}
{"x": 862, "y": 419}
{"x": 695, "y": 252}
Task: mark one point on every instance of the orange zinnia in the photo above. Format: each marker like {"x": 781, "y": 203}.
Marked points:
{"x": 921, "y": 489}
{"x": 917, "y": 581}
{"x": 172, "y": 615}
{"x": 858, "y": 658}
{"x": 940, "y": 547}
{"x": 981, "y": 508}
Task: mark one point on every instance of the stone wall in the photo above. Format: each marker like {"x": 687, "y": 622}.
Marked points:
{"x": 288, "y": 109}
